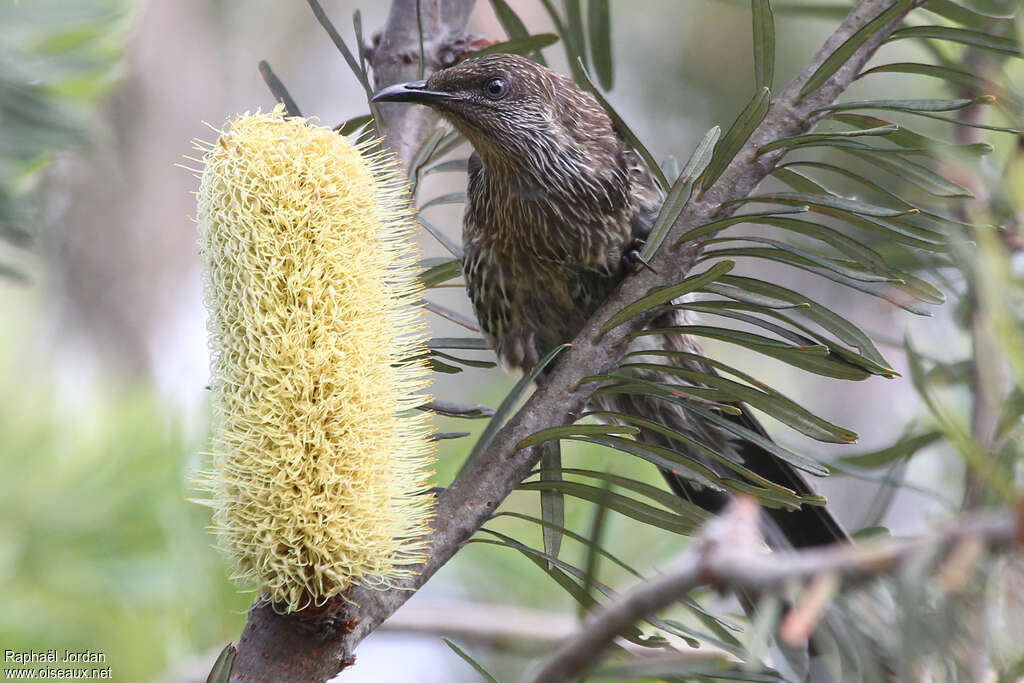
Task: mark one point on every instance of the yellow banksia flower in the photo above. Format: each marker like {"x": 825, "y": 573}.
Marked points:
{"x": 317, "y": 361}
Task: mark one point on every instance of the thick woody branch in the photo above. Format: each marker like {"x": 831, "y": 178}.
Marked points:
{"x": 278, "y": 648}
{"x": 719, "y": 561}
{"x": 396, "y": 58}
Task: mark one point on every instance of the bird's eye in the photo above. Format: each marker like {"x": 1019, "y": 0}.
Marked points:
{"x": 496, "y": 88}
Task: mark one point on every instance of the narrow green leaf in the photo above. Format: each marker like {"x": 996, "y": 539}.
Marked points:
{"x": 910, "y": 106}
{"x": 843, "y": 53}
{"x": 942, "y": 244}
{"x": 562, "y": 572}
{"x": 551, "y": 566}
{"x": 701, "y": 156}
{"x": 718, "y": 625}
{"x": 446, "y": 271}
{"x": 775, "y": 404}
{"x": 957, "y": 77}
{"x": 520, "y": 46}
{"x": 513, "y": 25}
{"x": 354, "y": 124}
{"x": 441, "y": 436}
{"x": 627, "y": 384}
{"x": 419, "y": 31}
{"x": 458, "y": 343}
{"x": 628, "y": 135}
{"x": 450, "y": 198}
{"x": 464, "y": 410}
{"x": 795, "y": 256}
{"x": 737, "y": 135}
{"x": 599, "y": 28}
{"x": 552, "y": 502}
{"x": 445, "y": 241}
{"x": 804, "y": 198}
{"x": 964, "y": 36}
{"x": 768, "y": 493}
{"x": 342, "y": 46}
{"x": 448, "y": 142}
{"x": 680, "y": 667}
{"x": 596, "y": 535}
{"x": 726, "y": 423}
{"x": 899, "y": 227}
{"x": 509, "y": 20}
{"x": 969, "y": 124}
{"x": 661, "y": 295}
{"x": 812, "y": 357}
{"x": 562, "y": 531}
{"x": 574, "y": 26}
{"x": 508, "y": 404}
{"x": 469, "y": 660}
{"x": 221, "y": 671}
{"x": 964, "y": 14}
{"x": 723, "y": 223}
{"x": 624, "y": 505}
{"x": 440, "y": 366}
{"x": 566, "y": 431}
{"x": 863, "y": 283}
{"x": 920, "y": 176}
{"x": 801, "y": 337}
{"x": 12, "y": 273}
{"x": 278, "y": 90}
{"x": 845, "y": 143}
{"x": 1010, "y": 415}
{"x": 900, "y": 451}
{"x": 572, "y": 50}
{"x": 764, "y": 43}
{"x": 423, "y": 155}
{"x": 454, "y": 165}
{"x": 663, "y": 497}
{"x": 812, "y": 10}
{"x": 757, "y": 291}
{"x": 826, "y": 137}
{"x": 673, "y": 205}
{"x": 468, "y": 362}
{"x": 679, "y": 195}
{"x": 859, "y": 252}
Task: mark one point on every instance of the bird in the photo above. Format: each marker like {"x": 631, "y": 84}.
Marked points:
{"x": 557, "y": 208}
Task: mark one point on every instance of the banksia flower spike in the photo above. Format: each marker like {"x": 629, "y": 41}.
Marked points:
{"x": 317, "y": 345}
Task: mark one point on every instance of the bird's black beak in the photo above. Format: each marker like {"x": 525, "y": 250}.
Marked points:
{"x": 413, "y": 91}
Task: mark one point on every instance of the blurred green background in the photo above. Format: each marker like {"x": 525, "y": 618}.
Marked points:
{"x": 102, "y": 349}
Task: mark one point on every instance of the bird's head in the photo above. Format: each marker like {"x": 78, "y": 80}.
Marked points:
{"x": 512, "y": 109}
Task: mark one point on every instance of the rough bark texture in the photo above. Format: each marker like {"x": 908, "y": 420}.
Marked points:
{"x": 303, "y": 648}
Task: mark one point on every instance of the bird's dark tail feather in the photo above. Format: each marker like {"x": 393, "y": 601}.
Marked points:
{"x": 810, "y": 525}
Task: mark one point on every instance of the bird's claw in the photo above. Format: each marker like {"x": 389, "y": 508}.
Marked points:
{"x": 632, "y": 259}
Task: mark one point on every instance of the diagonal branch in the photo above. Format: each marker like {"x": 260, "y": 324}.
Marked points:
{"x": 273, "y": 647}
{"x": 719, "y": 561}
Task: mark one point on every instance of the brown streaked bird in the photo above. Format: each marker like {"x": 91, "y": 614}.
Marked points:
{"x": 556, "y": 207}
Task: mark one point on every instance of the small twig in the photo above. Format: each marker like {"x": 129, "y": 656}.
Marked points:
{"x": 722, "y": 559}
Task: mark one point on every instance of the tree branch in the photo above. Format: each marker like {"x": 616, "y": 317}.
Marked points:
{"x": 396, "y": 58}
{"x": 275, "y": 648}
{"x": 728, "y": 556}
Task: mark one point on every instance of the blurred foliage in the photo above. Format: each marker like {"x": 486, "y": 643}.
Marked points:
{"x": 98, "y": 547}
{"x": 57, "y": 62}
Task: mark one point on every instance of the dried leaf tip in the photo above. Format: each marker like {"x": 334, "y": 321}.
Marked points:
{"x": 317, "y": 356}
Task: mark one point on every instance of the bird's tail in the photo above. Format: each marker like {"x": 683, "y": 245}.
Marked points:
{"x": 667, "y": 423}
{"x": 738, "y": 437}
